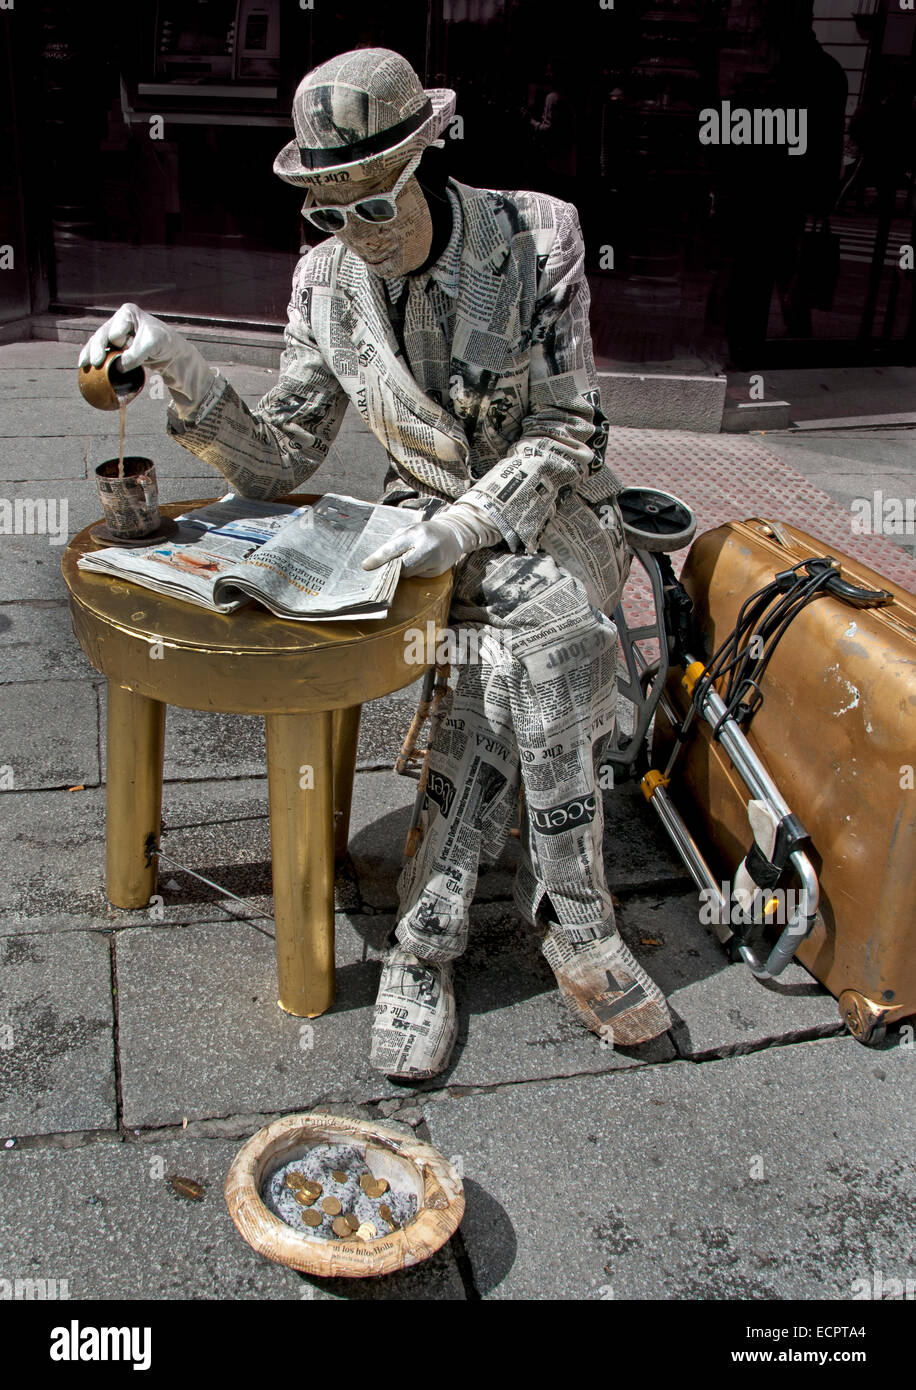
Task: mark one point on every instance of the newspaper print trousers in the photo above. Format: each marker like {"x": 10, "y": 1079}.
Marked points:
{"x": 532, "y": 696}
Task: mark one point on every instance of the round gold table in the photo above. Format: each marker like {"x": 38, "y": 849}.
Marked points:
{"x": 308, "y": 680}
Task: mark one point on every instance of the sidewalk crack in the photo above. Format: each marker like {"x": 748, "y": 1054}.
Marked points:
{"x": 116, "y": 1033}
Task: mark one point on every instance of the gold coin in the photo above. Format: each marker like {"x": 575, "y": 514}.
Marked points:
{"x": 312, "y": 1218}
{"x": 296, "y": 1181}
{"x": 366, "y": 1231}
{"x": 339, "y": 1175}
{"x": 331, "y": 1206}
{"x": 305, "y": 1199}
{"x": 312, "y": 1188}
{"x": 384, "y": 1212}
{"x": 373, "y": 1187}
{"x": 341, "y": 1227}
{"x": 351, "y": 1220}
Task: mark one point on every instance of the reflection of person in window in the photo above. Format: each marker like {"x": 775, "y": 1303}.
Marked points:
{"x": 555, "y": 132}
{"x": 765, "y": 192}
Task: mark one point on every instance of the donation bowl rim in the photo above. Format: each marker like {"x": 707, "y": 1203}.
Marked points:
{"x": 436, "y": 1221}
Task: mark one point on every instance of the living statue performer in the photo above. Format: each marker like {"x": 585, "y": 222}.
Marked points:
{"x": 455, "y": 321}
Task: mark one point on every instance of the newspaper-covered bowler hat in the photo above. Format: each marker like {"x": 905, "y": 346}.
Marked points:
{"x": 361, "y": 113}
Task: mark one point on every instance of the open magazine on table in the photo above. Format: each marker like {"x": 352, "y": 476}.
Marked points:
{"x": 300, "y": 562}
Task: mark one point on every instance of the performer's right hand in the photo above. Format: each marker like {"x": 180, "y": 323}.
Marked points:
{"x": 145, "y": 339}
{"x": 149, "y": 342}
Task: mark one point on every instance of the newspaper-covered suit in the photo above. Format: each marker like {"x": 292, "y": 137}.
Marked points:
{"x": 492, "y": 391}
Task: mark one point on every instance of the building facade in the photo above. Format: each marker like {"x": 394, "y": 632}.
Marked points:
{"x": 743, "y": 169}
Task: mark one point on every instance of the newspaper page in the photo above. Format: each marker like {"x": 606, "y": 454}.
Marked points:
{"x": 545, "y": 723}
{"x": 312, "y": 568}
{"x": 212, "y": 541}
{"x": 300, "y": 562}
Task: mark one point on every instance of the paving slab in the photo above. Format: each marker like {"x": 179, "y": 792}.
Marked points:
{"x": 171, "y": 460}
{"x": 847, "y": 468}
{"x": 61, "y": 506}
{"x": 726, "y": 476}
{"x": 784, "y": 1175}
{"x": 218, "y": 829}
{"x": 40, "y": 383}
{"x": 248, "y": 381}
{"x": 875, "y": 449}
{"x": 106, "y": 1219}
{"x": 201, "y": 1033}
{"x": 50, "y": 734}
{"x": 637, "y": 852}
{"x": 383, "y": 727}
{"x": 25, "y": 459}
{"x": 720, "y": 1008}
{"x": 31, "y": 562}
{"x": 35, "y": 353}
{"x": 73, "y": 415}
{"x": 37, "y": 641}
{"x": 203, "y": 746}
{"x": 31, "y": 569}
{"x": 513, "y": 1025}
{"x": 56, "y": 1042}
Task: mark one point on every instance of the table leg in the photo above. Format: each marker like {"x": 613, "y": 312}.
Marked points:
{"x": 135, "y": 742}
{"x": 346, "y": 738}
{"x": 300, "y": 778}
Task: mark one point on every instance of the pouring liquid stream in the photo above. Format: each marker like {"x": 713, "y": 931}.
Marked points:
{"x": 122, "y": 411}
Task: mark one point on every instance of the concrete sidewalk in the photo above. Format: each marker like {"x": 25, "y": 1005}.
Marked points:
{"x": 753, "y": 1152}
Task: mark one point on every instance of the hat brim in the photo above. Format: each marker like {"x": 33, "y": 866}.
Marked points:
{"x": 288, "y": 163}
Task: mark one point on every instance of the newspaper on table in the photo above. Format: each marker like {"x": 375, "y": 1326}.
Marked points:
{"x": 300, "y": 562}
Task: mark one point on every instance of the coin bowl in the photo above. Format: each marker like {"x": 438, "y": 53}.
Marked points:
{"x": 406, "y": 1162}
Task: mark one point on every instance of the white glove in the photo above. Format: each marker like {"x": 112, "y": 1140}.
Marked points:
{"x": 432, "y": 547}
{"x": 153, "y": 344}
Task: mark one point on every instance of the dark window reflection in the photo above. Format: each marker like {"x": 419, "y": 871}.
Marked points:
{"x": 697, "y": 253}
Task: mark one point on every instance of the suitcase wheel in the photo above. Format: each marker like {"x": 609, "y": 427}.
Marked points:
{"x": 864, "y": 1019}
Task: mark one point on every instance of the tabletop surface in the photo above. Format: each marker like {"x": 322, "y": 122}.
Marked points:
{"x": 130, "y": 608}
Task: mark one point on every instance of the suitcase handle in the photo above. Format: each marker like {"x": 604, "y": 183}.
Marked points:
{"x": 835, "y": 584}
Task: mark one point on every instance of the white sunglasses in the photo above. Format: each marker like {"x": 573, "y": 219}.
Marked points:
{"x": 381, "y": 207}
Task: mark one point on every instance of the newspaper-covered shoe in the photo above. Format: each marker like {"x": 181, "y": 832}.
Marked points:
{"x": 416, "y": 1019}
{"x": 606, "y": 988}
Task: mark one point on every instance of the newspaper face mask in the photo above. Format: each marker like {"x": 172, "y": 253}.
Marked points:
{"x": 388, "y": 248}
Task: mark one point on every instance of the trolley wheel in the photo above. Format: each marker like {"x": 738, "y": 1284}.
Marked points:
{"x": 655, "y": 521}
{"x": 863, "y": 1020}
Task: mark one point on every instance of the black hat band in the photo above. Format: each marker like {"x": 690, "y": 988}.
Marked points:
{"x": 373, "y": 144}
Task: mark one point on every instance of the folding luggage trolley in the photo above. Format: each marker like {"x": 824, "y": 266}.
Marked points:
{"x": 657, "y": 523}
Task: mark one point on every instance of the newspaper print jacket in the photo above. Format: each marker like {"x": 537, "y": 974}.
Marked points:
{"x": 532, "y": 430}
